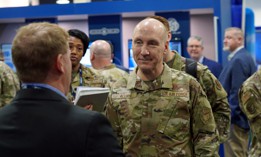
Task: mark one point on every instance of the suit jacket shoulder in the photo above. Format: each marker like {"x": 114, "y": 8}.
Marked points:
{"x": 43, "y": 123}
{"x": 213, "y": 66}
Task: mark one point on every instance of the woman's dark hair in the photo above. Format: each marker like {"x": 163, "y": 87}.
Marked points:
{"x": 82, "y": 36}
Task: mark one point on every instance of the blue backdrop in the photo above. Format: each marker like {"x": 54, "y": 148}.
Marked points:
{"x": 108, "y": 28}
{"x": 179, "y": 26}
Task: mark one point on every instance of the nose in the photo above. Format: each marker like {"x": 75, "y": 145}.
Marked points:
{"x": 73, "y": 50}
{"x": 144, "y": 50}
{"x": 225, "y": 40}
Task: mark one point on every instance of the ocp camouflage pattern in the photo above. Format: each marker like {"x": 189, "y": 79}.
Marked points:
{"x": 169, "y": 116}
{"x": 250, "y": 103}
{"x": 216, "y": 94}
{"x": 9, "y": 84}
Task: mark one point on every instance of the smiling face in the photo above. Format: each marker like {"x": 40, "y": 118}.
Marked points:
{"x": 149, "y": 45}
{"x": 76, "y": 48}
{"x": 195, "y": 49}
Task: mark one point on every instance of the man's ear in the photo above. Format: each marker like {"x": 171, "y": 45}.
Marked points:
{"x": 188, "y": 49}
{"x": 59, "y": 62}
{"x": 169, "y": 36}
{"x": 92, "y": 57}
{"x": 240, "y": 41}
{"x": 166, "y": 49}
{"x": 202, "y": 48}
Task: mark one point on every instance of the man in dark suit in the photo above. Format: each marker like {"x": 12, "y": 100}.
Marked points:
{"x": 239, "y": 67}
{"x": 195, "y": 49}
{"x": 40, "y": 122}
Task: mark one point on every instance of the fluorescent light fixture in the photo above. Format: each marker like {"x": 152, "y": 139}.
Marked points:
{"x": 62, "y": 1}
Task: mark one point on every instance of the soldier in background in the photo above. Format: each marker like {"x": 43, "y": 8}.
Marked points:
{"x": 216, "y": 94}
{"x": 9, "y": 84}
{"x": 160, "y": 111}
{"x": 81, "y": 75}
{"x": 101, "y": 56}
{"x": 1, "y": 56}
{"x": 250, "y": 103}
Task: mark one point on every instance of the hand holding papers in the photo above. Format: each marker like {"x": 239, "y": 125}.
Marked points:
{"x": 91, "y": 96}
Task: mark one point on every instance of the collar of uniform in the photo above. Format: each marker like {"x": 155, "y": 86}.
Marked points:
{"x": 99, "y": 71}
{"x": 86, "y": 73}
{"x": 178, "y": 62}
{"x": 163, "y": 81}
{"x": 111, "y": 66}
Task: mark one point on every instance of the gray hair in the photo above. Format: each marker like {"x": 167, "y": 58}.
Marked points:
{"x": 198, "y": 38}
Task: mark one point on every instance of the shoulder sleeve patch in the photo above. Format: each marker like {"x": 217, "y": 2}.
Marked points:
{"x": 206, "y": 115}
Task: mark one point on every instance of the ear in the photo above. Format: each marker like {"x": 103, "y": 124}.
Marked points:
{"x": 166, "y": 47}
{"x": 60, "y": 63}
{"x": 240, "y": 40}
{"x": 169, "y": 36}
{"x": 92, "y": 57}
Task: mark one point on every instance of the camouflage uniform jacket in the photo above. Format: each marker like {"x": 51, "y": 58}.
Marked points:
{"x": 85, "y": 77}
{"x": 216, "y": 94}
{"x": 9, "y": 84}
{"x": 250, "y": 103}
{"x": 169, "y": 116}
{"x": 111, "y": 73}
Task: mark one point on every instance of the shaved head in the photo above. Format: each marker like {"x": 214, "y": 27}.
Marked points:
{"x": 149, "y": 46}
{"x": 150, "y": 25}
{"x": 101, "y": 48}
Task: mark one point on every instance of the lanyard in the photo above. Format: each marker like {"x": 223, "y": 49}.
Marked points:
{"x": 31, "y": 86}
{"x": 81, "y": 83}
{"x": 80, "y": 76}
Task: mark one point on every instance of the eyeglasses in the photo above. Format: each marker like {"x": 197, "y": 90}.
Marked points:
{"x": 195, "y": 46}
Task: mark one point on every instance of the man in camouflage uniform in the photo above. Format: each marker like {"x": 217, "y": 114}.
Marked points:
{"x": 101, "y": 56}
{"x": 9, "y": 84}
{"x": 216, "y": 94}
{"x": 160, "y": 111}
{"x": 250, "y": 103}
{"x": 81, "y": 75}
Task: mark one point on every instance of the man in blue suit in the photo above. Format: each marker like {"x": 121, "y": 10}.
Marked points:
{"x": 239, "y": 67}
{"x": 195, "y": 49}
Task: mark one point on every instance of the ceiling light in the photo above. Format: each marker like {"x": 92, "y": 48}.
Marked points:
{"x": 62, "y": 1}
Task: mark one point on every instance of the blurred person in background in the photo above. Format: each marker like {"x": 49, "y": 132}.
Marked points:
{"x": 195, "y": 49}
{"x": 240, "y": 67}
{"x": 81, "y": 75}
{"x": 9, "y": 84}
{"x": 2, "y": 56}
{"x": 101, "y": 56}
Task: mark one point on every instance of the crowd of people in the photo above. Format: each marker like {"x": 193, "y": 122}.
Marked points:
{"x": 168, "y": 105}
